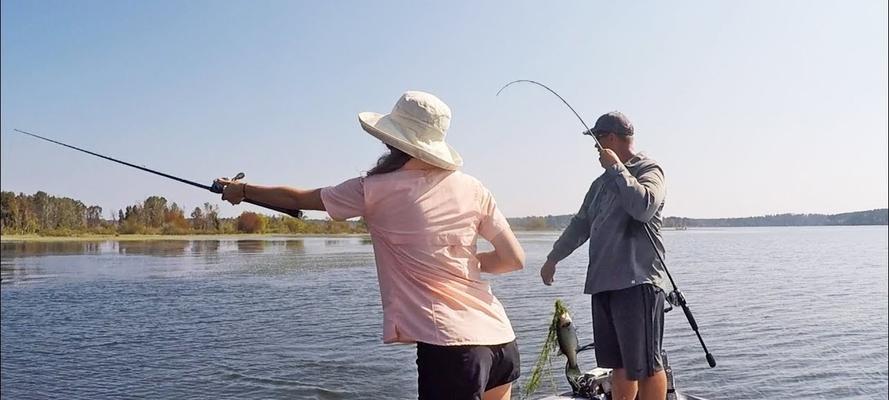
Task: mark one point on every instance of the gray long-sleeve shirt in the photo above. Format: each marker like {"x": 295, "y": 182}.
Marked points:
{"x": 612, "y": 218}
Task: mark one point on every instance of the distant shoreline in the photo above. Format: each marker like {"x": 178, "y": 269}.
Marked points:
{"x": 125, "y": 238}
{"x": 857, "y": 218}
{"x": 42, "y": 217}
{"x": 265, "y": 236}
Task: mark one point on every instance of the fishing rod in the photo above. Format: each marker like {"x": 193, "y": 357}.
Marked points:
{"x": 215, "y": 187}
{"x": 587, "y": 131}
{"x": 676, "y": 297}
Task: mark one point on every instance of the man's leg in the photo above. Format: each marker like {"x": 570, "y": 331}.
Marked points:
{"x": 649, "y": 388}
{"x": 653, "y": 387}
{"x": 608, "y": 352}
{"x": 638, "y": 320}
{"x": 502, "y": 392}
{"x": 621, "y": 387}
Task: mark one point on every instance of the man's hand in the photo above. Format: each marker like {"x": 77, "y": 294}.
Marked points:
{"x": 607, "y": 158}
{"x": 547, "y": 272}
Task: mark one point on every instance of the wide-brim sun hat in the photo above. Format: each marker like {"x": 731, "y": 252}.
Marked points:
{"x": 417, "y": 126}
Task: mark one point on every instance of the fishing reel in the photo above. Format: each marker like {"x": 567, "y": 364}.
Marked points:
{"x": 674, "y": 299}
{"x": 218, "y": 188}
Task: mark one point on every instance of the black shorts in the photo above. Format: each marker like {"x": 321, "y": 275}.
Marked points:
{"x": 628, "y": 327}
{"x": 465, "y": 372}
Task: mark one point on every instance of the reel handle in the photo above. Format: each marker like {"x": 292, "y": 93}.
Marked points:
{"x": 217, "y": 188}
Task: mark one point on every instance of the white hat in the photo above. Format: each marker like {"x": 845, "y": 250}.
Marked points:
{"x": 417, "y": 126}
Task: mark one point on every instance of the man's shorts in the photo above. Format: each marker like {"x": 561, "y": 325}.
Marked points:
{"x": 465, "y": 372}
{"x": 628, "y": 326}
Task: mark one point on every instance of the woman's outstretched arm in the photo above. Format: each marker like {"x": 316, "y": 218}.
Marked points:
{"x": 278, "y": 196}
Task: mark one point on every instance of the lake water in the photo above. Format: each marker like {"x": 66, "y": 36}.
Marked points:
{"x": 789, "y": 313}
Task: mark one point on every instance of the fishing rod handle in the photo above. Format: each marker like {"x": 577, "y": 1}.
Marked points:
{"x": 677, "y": 298}
{"x": 292, "y": 213}
{"x": 694, "y": 327}
{"x": 690, "y": 318}
{"x": 219, "y": 188}
{"x": 710, "y": 360}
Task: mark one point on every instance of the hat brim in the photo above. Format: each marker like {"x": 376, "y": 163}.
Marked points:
{"x": 439, "y": 154}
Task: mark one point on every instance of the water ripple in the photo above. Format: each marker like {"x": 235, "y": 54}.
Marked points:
{"x": 796, "y": 313}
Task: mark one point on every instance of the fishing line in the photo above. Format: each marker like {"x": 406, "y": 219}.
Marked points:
{"x": 587, "y": 128}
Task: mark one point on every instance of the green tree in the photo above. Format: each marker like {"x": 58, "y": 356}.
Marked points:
{"x": 93, "y": 216}
{"x": 211, "y": 216}
{"x": 9, "y": 213}
{"x": 154, "y": 208}
{"x": 197, "y": 219}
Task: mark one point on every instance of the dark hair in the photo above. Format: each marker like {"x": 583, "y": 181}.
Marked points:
{"x": 391, "y": 161}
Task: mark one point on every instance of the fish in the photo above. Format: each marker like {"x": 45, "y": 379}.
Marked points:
{"x": 566, "y": 334}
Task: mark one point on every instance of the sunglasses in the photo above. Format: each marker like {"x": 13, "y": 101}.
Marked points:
{"x": 600, "y": 135}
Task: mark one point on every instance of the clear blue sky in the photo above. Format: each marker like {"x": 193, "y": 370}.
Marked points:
{"x": 752, "y": 107}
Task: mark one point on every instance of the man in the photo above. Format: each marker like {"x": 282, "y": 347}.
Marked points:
{"x": 624, "y": 275}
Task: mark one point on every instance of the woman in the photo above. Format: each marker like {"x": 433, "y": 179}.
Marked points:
{"x": 424, "y": 218}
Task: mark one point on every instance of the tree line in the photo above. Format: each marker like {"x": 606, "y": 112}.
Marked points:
{"x": 870, "y": 217}
{"x": 47, "y": 215}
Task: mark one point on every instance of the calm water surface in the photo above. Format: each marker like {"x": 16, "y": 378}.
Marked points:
{"x": 789, "y": 313}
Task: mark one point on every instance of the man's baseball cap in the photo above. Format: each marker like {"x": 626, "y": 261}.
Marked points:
{"x": 613, "y": 122}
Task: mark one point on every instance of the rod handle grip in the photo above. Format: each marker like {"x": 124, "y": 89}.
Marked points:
{"x": 710, "y": 360}
{"x": 292, "y": 213}
{"x": 691, "y": 318}
{"x": 218, "y": 189}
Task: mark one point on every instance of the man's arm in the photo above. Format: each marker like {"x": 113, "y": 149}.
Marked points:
{"x": 575, "y": 235}
{"x": 578, "y": 230}
{"x": 640, "y": 196}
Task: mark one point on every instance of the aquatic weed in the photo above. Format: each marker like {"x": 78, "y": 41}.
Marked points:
{"x": 544, "y": 359}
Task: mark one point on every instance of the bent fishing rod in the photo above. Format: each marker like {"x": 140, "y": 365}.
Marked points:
{"x": 215, "y": 187}
{"x": 676, "y": 297}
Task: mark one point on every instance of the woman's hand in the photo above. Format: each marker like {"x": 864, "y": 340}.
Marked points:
{"x": 233, "y": 191}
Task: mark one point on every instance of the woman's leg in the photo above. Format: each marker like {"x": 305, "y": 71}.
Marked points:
{"x": 465, "y": 372}
{"x": 452, "y": 372}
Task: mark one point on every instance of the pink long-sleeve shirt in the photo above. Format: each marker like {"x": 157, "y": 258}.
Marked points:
{"x": 424, "y": 225}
